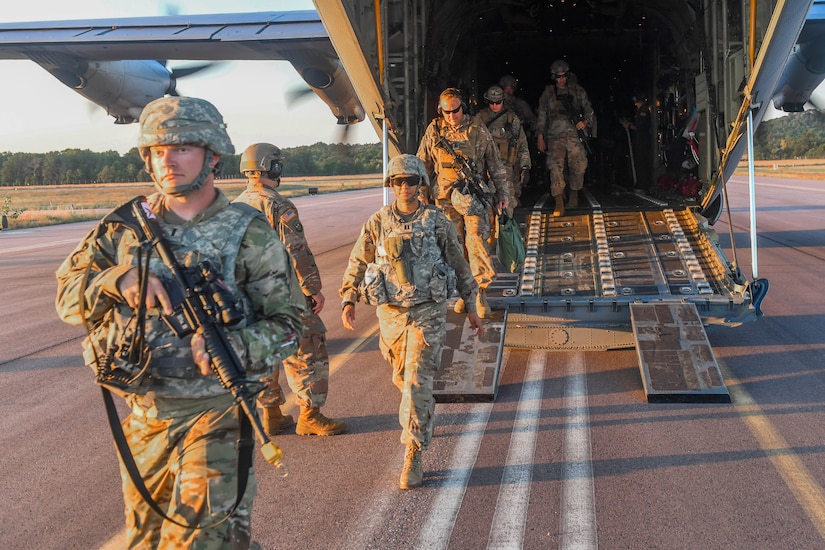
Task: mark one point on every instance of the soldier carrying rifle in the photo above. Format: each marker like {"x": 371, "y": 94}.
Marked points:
{"x": 469, "y": 161}
{"x": 565, "y": 122}
{"x": 186, "y": 377}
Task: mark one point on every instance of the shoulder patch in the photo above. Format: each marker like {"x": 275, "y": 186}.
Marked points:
{"x": 290, "y": 219}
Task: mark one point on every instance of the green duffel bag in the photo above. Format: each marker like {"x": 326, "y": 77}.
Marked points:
{"x": 510, "y": 243}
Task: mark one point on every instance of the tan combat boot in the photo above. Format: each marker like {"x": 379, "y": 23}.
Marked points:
{"x": 482, "y": 305}
{"x": 312, "y": 422}
{"x": 558, "y": 211}
{"x": 412, "y": 475}
{"x": 574, "y": 199}
{"x": 459, "y": 306}
{"x": 275, "y": 421}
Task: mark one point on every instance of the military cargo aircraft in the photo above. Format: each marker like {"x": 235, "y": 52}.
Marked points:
{"x": 625, "y": 269}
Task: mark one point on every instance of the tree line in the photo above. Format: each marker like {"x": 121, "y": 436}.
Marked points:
{"x": 73, "y": 166}
{"x": 797, "y": 135}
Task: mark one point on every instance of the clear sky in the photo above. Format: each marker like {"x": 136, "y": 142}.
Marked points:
{"x": 39, "y": 114}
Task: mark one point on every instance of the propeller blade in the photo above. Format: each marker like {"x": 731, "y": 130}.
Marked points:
{"x": 183, "y": 72}
{"x": 296, "y": 95}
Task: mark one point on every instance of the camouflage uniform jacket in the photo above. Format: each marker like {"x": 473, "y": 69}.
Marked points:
{"x": 424, "y": 250}
{"x": 283, "y": 216}
{"x": 507, "y": 132}
{"x": 523, "y": 111}
{"x": 554, "y": 120}
{"x": 472, "y": 139}
{"x": 240, "y": 245}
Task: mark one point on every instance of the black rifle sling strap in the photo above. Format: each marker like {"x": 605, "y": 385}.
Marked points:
{"x": 246, "y": 444}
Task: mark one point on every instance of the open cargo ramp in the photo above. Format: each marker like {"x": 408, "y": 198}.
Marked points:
{"x": 470, "y": 365}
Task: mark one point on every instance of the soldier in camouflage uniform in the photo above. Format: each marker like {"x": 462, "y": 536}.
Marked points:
{"x": 559, "y": 137}
{"x": 505, "y": 127}
{"x": 407, "y": 262}
{"x": 509, "y": 84}
{"x": 307, "y": 371}
{"x": 184, "y": 427}
{"x": 469, "y": 137}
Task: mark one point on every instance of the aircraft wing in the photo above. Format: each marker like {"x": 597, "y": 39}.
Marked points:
{"x": 73, "y": 50}
{"x": 780, "y": 74}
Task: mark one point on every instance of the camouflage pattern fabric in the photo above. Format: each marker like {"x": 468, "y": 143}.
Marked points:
{"x": 203, "y": 484}
{"x": 173, "y": 402}
{"x": 473, "y": 140}
{"x": 511, "y": 140}
{"x": 560, "y": 135}
{"x": 429, "y": 245}
{"x": 176, "y": 120}
{"x": 307, "y": 371}
{"x": 412, "y": 340}
{"x": 412, "y": 321}
{"x": 523, "y": 111}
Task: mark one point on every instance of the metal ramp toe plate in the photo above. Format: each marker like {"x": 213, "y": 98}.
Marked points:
{"x": 470, "y": 365}
{"x": 675, "y": 357}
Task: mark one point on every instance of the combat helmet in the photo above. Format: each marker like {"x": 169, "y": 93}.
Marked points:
{"x": 508, "y": 80}
{"x": 262, "y": 157}
{"x": 494, "y": 94}
{"x": 406, "y": 164}
{"x": 183, "y": 121}
{"x": 558, "y": 67}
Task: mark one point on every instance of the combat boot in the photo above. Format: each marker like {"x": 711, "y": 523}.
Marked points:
{"x": 574, "y": 199}
{"x": 459, "y": 306}
{"x": 412, "y": 475}
{"x": 275, "y": 421}
{"x": 558, "y": 211}
{"x": 482, "y": 305}
{"x": 312, "y": 422}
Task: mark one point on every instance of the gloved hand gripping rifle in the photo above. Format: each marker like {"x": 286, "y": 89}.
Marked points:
{"x": 468, "y": 174}
{"x": 205, "y": 303}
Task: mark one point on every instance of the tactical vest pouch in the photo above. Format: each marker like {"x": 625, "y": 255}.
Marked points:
{"x": 372, "y": 288}
{"x": 442, "y": 282}
{"x": 395, "y": 255}
{"x": 106, "y": 350}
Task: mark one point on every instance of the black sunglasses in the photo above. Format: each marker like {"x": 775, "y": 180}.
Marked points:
{"x": 494, "y": 102}
{"x": 409, "y": 181}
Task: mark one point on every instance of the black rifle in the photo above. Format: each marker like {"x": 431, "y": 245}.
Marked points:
{"x": 468, "y": 175}
{"x": 575, "y": 118}
{"x": 205, "y": 303}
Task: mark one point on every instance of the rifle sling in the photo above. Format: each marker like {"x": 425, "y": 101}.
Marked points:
{"x": 245, "y": 446}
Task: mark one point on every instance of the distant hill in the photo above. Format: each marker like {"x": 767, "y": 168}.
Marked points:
{"x": 797, "y": 135}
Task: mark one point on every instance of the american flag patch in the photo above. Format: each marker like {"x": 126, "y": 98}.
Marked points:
{"x": 288, "y": 216}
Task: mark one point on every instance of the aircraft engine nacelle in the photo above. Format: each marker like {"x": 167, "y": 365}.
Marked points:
{"x": 327, "y": 78}
{"x": 804, "y": 71}
{"x": 122, "y": 88}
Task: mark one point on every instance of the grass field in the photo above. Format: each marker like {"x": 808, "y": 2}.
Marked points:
{"x": 807, "y": 169}
{"x": 54, "y": 204}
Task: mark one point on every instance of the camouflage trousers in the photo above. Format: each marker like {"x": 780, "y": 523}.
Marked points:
{"x": 411, "y": 341}
{"x": 307, "y": 370}
{"x": 570, "y": 149}
{"x": 474, "y": 234}
{"x": 189, "y": 464}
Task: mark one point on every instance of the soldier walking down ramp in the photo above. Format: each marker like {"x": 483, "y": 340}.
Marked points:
{"x": 458, "y": 150}
{"x": 307, "y": 371}
{"x": 189, "y": 441}
{"x": 565, "y": 118}
{"x": 407, "y": 262}
{"x": 508, "y": 133}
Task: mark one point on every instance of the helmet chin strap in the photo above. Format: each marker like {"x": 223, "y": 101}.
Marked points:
{"x": 182, "y": 190}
